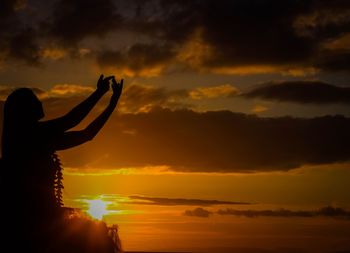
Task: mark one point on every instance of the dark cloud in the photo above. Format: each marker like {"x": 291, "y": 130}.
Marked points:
{"x": 247, "y": 33}
{"x": 7, "y": 17}
{"x": 173, "y": 21}
{"x": 198, "y": 212}
{"x": 177, "y": 202}
{"x": 328, "y": 211}
{"x": 255, "y": 32}
{"x": 325, "y": 19}
{"x": 18, "y": 41}
{"x": 73, "y": 21}
{"x": 238, "y": 32}
{"x": 220, "y": 141}
{"x": 24, "y": 46}
{"x": 143, "y": 98}
{"x": 306, "y": 92}
{"x": 272, "y": 32}
{"x": 139, "y": 57}
{"x": 28, "y": 28}
{"x": 198, "y": 35}
{"x": 334, "y": 61}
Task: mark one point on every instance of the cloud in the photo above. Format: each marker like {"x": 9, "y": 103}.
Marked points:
{"x": 141, "y": 98}
{"x": 53, "y": 53}
{"x": 340, "y": 43}
{"x": 334, "y": 61}
{"x": 23, "y": 45}
{"x": 70, "y": 89}
{"x": 138, "y": 60}
{"x": 328, "y": 211}
{"x": 225, "y": 90}
{"x": 198, "y": 212}
{"x": 310, "y": 25}
{"x": 18, "y": 42}
{"x": 259, "y": 38}
{"x": 259, "y": 108}
{"x": 293, "y": 37}
{"x": 267, "y": 36}
{"x": 204, "y": 42}
{"x": 220, "y": 141}
{"x": 305, "y": 92}
{"x": 29, "y": 29}
{"x": 325, "y": 20}
{"x": 142, "y": 200}
{"x": 263, "y": 36}
{"x": 73, "y": 21}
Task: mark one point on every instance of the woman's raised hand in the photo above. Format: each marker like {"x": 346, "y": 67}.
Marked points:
{"x": 103, "y": 83}
{"x": 117, "y": 88}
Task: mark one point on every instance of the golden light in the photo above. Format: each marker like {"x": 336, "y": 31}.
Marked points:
{"x": 97, "y": 208}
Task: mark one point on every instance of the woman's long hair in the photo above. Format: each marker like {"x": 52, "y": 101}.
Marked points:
{"x": 22, "y": 108}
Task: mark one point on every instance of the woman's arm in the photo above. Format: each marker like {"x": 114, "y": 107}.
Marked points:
{"x": 78, "y": 113}
{"x": 75, "y": 138}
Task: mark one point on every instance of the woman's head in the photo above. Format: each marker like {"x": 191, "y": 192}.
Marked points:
{"x": 23, "y": 106}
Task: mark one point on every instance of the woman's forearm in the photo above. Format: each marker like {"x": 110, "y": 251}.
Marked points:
{"x": 94, "y": 127}
{"x": 75, "y": 138}
{"x": 78, "y": 113}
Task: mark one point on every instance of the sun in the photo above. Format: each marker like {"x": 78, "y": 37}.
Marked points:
{"x": 97, "y": 208}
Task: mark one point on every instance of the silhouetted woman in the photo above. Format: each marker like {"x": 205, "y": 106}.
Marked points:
{"x": 29, "y": 202}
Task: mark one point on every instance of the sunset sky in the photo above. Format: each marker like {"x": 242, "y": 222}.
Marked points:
{"x": 237, "y": 105}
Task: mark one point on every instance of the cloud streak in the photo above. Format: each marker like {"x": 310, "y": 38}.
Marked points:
{"x": 328, "y": 211}
{"x": 304, "y": 92}
{"x": 225, "y": 90}
{"x": 142, "y": 200}
{"x": 198, "y": 212}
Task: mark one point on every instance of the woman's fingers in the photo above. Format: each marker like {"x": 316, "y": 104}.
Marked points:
{"x": 121, "y": 85}
{"x": 117, "y": 88}
{"x": 108, "y": 78}
{"x": 116, "y": 84}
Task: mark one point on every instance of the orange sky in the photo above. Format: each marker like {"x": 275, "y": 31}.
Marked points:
{"x": 162, "y": 227}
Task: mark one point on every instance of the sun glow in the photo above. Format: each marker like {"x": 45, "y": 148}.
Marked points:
{"x": 97, "y": 208}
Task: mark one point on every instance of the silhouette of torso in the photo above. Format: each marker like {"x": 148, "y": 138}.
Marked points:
{"x": 30, "y": 172}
